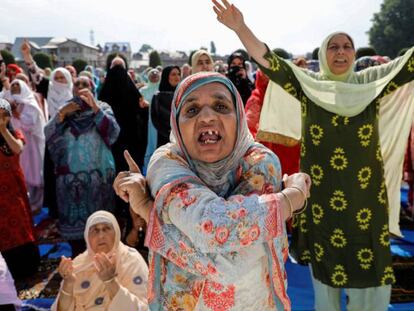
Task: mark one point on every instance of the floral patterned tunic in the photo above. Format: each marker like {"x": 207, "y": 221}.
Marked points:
{"x": 213, "y": 253}
{"x": 344, "y": 232}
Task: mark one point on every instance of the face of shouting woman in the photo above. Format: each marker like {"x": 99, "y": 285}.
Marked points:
{"x": 340, "y": 54}
{"x": 208, "y": 123}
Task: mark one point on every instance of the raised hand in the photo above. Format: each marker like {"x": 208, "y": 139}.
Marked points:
{"x": 87, "y": 96}
{"x": 105, "y": 265}
{"x": 228, "y": 14}
{"x": 65, "y": 269}
{"x": 68, "y": 109}
{"x": 25, "y": 48}
{"x": 131, "y": 187}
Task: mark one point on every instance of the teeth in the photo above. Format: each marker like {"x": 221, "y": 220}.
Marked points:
{"x": 210, "y": 132}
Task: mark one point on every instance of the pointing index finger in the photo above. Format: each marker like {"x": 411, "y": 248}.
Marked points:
{"x": 133, "y": 167}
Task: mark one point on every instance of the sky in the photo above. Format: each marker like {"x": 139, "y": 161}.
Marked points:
{"x": 298, "y": 26}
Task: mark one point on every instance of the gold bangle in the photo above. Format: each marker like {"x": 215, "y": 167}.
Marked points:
{"x": 305, "y": 204}
{"x": 65, "y": 292}
{"x": 290, "y": 204}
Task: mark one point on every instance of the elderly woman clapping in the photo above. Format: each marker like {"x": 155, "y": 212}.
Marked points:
{"x": 107, "y": 276}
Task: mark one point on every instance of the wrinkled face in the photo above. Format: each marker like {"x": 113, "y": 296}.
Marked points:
{"x": 101, "y": 238}
{"x": 60, "y": 77}
{"x": 340, "y": 54}
{"x": 81, "y": 83}
{"x": 174, "y": 77}
{"x": 15, "y": 89}
{"x": 203, "y": 64}
{"x": 208, "y": 123}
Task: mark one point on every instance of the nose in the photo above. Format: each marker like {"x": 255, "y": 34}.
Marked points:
{"x": 207, "y": 114}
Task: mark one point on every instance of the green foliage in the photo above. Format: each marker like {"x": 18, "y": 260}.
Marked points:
{"x": 79, "y": 64}
{"x": 212, "y": 48}
{"x": 154, "y": 59}
{"x": 145, "y": 48}
{"x": 392, "y": 27}
{"x": 42, "y": 60}
{"x": 7, "y": 57}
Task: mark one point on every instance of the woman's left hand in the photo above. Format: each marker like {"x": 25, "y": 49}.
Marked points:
{"x": 105, "y": 266}
{"x": 87, "y": 96}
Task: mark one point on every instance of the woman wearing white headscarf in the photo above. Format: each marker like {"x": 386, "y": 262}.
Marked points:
{"x": 107, "y": 276}
{"x": 353, "y": 128}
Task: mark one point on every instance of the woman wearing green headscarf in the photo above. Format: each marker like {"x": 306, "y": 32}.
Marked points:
{"x": 353, "y": 129}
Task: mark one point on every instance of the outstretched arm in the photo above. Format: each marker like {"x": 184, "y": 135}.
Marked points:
{"x": 230, "y": 16}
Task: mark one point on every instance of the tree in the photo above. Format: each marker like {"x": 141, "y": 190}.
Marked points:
{"x": 7, "y": 57}
{"x": 392, "y": 27}
{"x": 212, "y": 48}
{"x": 154, "y": 59}
{"x": 42, "y": 60}
{"x": 79, "y": 65}
{"x": 145, "y": 48}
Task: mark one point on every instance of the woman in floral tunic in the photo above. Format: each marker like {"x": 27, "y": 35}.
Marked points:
{"x": 351, "y": 152}
{"x": 79, "y": 138}
{"x": 216, "y": 231}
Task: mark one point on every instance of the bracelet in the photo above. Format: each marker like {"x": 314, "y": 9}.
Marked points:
{"x": 300, "y": 211}
{"x": 290, "y": 204}
{"x": 65, "y": 292}
{"x": 111, "y": 279}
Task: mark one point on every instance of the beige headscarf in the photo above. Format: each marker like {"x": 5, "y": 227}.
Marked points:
{"x": 280, "y": 118}
{"x": 132, "y": 274}
{"x": 196, "y": 56}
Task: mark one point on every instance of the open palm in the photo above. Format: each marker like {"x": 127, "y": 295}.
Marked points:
{"x": 228, "y": 14}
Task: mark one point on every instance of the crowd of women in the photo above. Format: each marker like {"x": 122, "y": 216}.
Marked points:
{"x": 228, "y": 155}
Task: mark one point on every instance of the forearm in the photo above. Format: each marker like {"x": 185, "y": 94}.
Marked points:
{"x": 291, "y": 200}
{"x": 65, "y": 296}
{"x": 14, "y": 144}
{"x": 256, "y": 48}
{"x": 112, "y": 287}
{"x": 143, "y": 209}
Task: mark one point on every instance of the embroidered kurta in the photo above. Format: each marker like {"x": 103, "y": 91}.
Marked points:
{"x": 213, "y": 253}
{"x": 344, "y": 233}
{"x": 84, "y": 169}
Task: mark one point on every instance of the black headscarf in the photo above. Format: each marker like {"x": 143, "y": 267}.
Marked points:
{"x": 161, "y": 106}
{"x": 165, "y": 85}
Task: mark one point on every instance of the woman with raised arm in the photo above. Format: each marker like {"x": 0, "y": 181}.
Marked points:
{"x": 216, "y": 231}
{"x": 353, "y": 133}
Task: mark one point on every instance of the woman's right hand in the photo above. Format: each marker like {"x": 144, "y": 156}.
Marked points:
{"x": 131, "y": 187}
{"x": 66, "y": 110}
{"x": 228, "y": 14}
{"x": 66, "y": 270}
